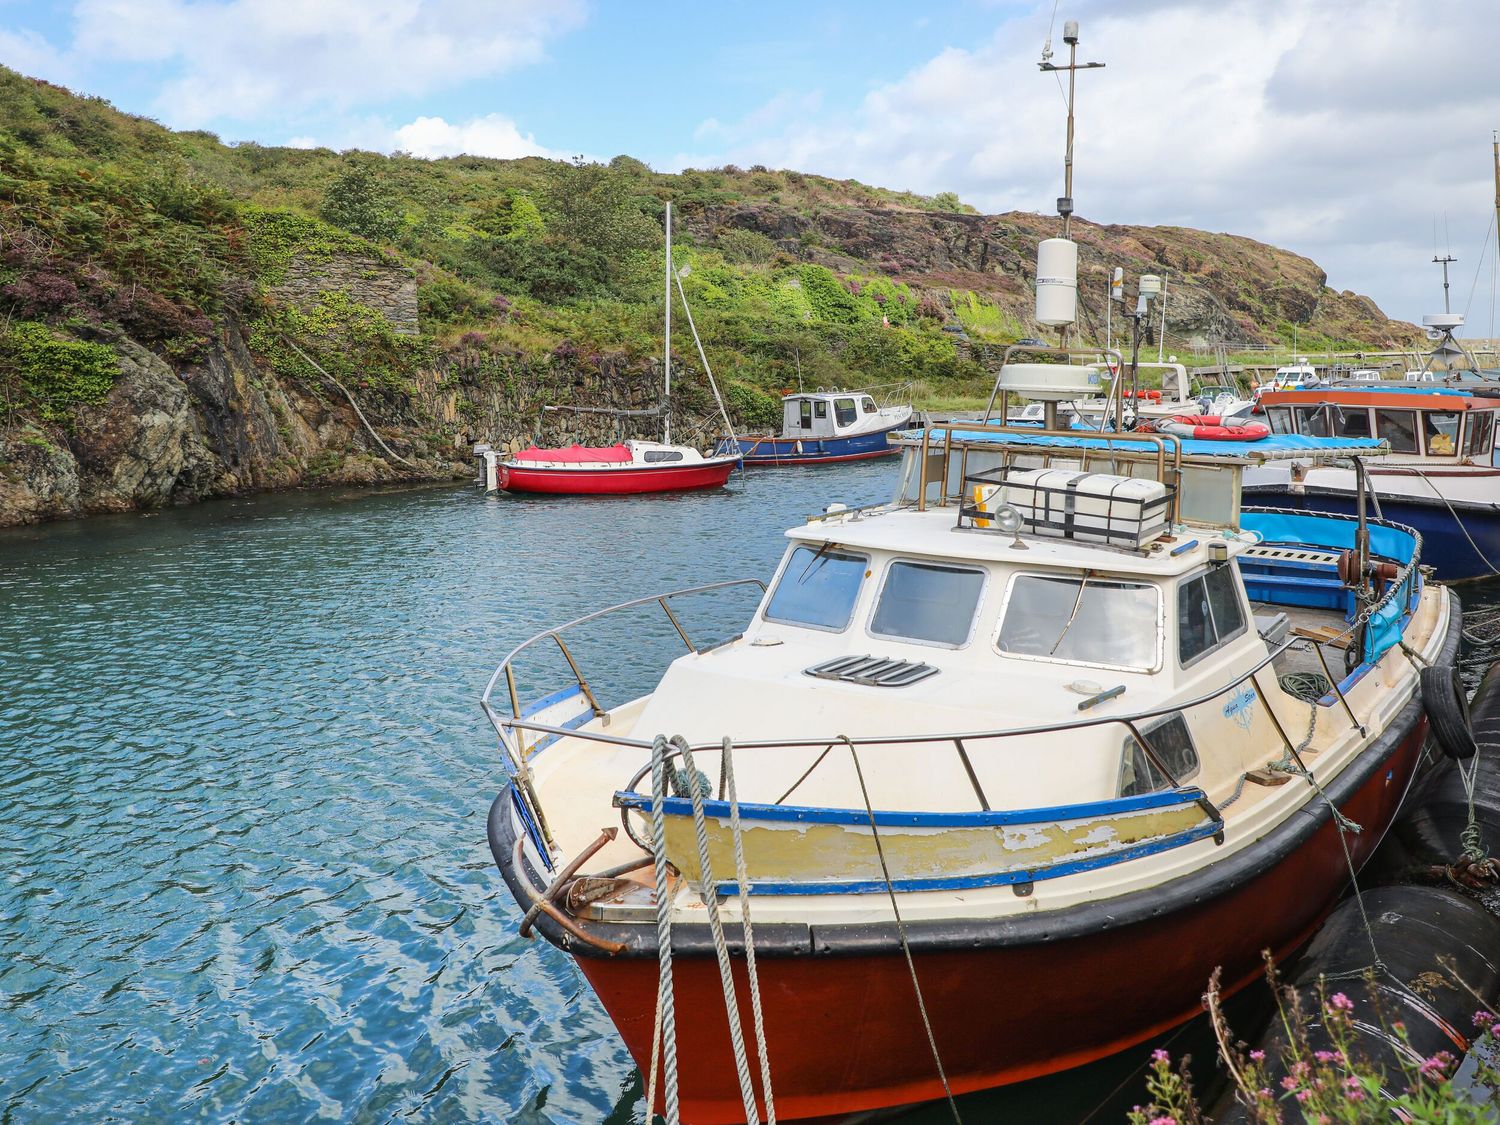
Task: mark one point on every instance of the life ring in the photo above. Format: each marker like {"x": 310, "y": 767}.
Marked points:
{"x": 1211, "y": 427}
{"x": 1447, "y": 707}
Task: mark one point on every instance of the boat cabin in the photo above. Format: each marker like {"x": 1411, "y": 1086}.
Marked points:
{"x": 826, "y": 414}
{"x": 1431, "y": 424}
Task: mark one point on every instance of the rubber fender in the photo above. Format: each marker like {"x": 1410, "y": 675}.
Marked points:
{"x": 1431, "y": 825}
{"x": 1447, "y": 707}
{"x": 1415, "y": 929}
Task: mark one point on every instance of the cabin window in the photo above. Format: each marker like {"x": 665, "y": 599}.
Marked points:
{"x": 1209, "y": 613}
{"x": 1082, "y": 621}
{"x": 844, "y": 410}
{"x": 805, "y": 417}
{"x": 1440, "y": 433}
{"x": 820, "y": 409}
{"x": 1279, "y": 418}
{"x": 1173, "y": 747}
{"x": 1399, "y": 427}
{"x": 817, "y": 588}
{"x": 1480, "y": 432}
{"x": 1351, "y": 422}
{"x": 653, "y": 455}
{"x": 867, "y": 404}
{"x": 928, "y": 603}
{"x": 1312, "y": 420}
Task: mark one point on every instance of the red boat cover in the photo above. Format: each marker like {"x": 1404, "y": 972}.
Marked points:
{"x": 575, "y": 453}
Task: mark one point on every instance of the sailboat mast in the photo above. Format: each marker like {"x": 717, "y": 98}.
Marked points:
{"x": 666, "y": 425}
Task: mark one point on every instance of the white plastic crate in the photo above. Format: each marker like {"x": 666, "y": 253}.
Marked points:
{"x": 1090, "y": 507}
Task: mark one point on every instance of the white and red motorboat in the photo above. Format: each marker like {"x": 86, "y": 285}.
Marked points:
{"x": 1017, "y": 764}
{"x": 626, "y": 468}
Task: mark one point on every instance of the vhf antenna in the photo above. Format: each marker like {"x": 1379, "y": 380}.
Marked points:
{"x": 1070, "y": 37}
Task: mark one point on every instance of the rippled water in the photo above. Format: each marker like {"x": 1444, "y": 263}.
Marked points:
{"x": 244, "y": 779}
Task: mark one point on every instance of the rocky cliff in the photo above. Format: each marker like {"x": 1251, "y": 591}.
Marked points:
{"x": 183, "y": 319}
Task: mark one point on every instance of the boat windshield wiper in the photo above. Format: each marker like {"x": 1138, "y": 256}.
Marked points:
{"x": 1073, "y": 616}
{"x": 814, "y": 561}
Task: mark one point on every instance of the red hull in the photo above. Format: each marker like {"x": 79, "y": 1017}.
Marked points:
{"x": 843, "y": 1029}
{"x": 615, "y": 482}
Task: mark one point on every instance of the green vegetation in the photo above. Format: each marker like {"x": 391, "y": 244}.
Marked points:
{"x": 111, "y": 225}
{"x": 50, "y": 375}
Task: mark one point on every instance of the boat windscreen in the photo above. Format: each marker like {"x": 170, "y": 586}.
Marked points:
{"x": 1082, "y": 621}
{"x": 817, "y": 588}
{"x": 927, "y": 602}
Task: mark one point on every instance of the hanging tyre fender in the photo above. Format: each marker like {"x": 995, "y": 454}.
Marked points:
{"x": 1447, "y": 709}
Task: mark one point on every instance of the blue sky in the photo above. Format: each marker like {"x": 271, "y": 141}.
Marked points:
{"x": 1310, "y": 124}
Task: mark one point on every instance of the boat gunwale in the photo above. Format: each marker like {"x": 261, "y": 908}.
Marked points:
{"x": 1211, "y": 881}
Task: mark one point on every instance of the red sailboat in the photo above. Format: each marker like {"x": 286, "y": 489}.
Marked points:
{"x": 625, "y": 468}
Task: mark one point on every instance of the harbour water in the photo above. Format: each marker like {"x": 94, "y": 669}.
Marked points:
{"x": 244, "y": 779}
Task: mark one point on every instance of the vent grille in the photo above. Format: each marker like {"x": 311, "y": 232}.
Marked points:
{"x": 872, "y": 671}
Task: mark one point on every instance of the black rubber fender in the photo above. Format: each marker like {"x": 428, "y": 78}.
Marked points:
{"x": 1447, "y": 707}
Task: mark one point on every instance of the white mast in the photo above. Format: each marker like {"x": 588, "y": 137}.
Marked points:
{"x": 666, "y": 426}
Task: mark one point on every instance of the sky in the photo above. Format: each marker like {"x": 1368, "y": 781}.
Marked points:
{"x": 1356, "y": 132}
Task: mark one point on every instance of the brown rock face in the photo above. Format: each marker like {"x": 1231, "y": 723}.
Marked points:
{"x": 1221, "y": 288}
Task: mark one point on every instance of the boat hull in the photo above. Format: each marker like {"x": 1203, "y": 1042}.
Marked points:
{"x": 627, "y": 480}
{"x": 765, "y": 451}
{"x": 1009, "y": 998}
{"x": 1460, "y": 539}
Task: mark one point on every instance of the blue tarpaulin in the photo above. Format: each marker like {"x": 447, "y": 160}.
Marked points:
{"x": 1337, "y": 533}
{"x": 1276, "y": 445}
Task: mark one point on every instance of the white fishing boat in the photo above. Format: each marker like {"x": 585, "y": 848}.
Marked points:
{"x": 992, "y": 778}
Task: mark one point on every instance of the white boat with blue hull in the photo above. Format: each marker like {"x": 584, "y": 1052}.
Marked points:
{"x": 821, "y": 427}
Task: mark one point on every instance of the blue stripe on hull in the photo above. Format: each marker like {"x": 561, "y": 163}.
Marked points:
{"x": 1444, "y": 544}
{"x": 783, "y": 451}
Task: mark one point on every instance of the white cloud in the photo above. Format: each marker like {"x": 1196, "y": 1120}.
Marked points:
{"x": 1330, "y": 127}
{"x": 492, "y": 135}
{"x": 237, "y": 59}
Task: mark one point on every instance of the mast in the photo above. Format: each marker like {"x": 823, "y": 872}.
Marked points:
{"x": 666, "y": 345}
{"x": 1495, "y": 144}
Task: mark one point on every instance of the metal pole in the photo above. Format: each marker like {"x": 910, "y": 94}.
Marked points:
{"x": 1161, "y": 337}
{"x": 1443, "y": 261}
{"x": 1068, "y": 159}
{"x": 666, "y": 426}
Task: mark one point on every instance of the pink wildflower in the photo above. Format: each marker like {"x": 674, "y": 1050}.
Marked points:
{"x": 1288, "y": 1083}
{"x": 1436, "y": 1068}
{"x": 1257, "y": 1056}
{"x": 1338, "y": 1002}
{"x": 1160, "y": 1056}
{"x": 1329, "y": 1056}
{"x": 1484, "y": 1020}
{"x": 1163, "y": 1121}
{"x": 1303, "y": 1095}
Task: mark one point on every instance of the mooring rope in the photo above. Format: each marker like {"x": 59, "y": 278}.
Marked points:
{"x": 911, "y": 965}
{"x": 726, "y": 772}
{"x": 1453, "y": 512}
{"x": 721, "y": 947}
{"x": 664, "y": 997}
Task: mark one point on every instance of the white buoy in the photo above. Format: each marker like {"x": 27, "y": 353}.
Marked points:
{"x": 1056, "y": 282}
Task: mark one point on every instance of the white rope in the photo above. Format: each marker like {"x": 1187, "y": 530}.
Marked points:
{"x": 911, "y": 965}
{"x": 1452, "y": 512}
{"x": 707, "y": 370}
{"x": 716, "y": 930}
{"x": 664, "y": 996}
{"x": 391, "y": 453}
{"x": 727, "y": 774}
